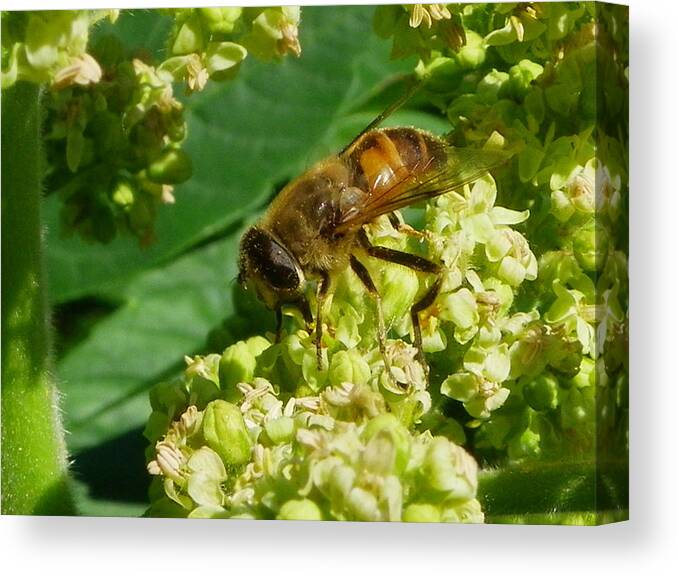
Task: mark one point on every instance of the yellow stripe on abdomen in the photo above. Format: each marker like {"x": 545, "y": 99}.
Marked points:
{"x": 381, "y": 162}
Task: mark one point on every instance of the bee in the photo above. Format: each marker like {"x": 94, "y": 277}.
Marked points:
{"x": 315, "y": 227}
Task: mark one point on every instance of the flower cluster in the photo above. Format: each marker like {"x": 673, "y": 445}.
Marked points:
{"x": 114, "y": 148}
{"x": 50, "y": 47}
{"x": 251, "y": 450}
{"x": 211, "y": 43}
{"x": 548, "y": 79}
{"x": 114, "y": 127}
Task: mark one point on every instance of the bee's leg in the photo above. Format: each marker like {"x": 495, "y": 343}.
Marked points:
{"x": 416, "y": 263}
{"x": 428, "y": 298}
{"x": 412, "y": 261}
{"x": 321, "y": 293}
{"x": 403, "y": 227}
{"x": 278, "y": 323}
{"x": 395, "y": 222}
{"x": 305, "y": 309}
{"x": 364, "y": 276}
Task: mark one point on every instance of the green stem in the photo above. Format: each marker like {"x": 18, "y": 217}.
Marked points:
{"x": 34, "y": 463}
{"x": 594, "y": 491}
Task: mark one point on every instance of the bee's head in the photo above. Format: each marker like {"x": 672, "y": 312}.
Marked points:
{"x": 268, "y": 266}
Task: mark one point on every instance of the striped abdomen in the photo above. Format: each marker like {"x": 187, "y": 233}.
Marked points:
{"x": 381, "y": 159}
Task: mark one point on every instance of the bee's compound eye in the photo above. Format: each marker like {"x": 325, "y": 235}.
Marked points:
{"x": 270, "y": 259}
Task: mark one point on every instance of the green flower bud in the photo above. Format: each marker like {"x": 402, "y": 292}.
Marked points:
{"x": 207, "y": 474}
{"x": 421, "y": 513}
{"x": 224, "y": 430}
{"x": 591, "y": 245}
{"x": 573, "y": 189}
{"x": 440, "y": 74}
{"x": 220, "y": 20}
{"x": 561, "y": 206}
{"x": 565, "y": 170}
{"x": 586, "y": 377}
{"x": 168, "y": 397}
{"x": 578, "y": 408}
{"x": 497, "y": 246}
{"x": 502, "y": 36}
{"x": 563, "y": 95}
{"x": 391, "y": 498}
{"x": 123, "y": 193}
{"x": 562, "y": 18}
{"x": 239, "y": 361}
{"x": 399, "y": 288}
{"x": 297, "y": 345}
{"x": 206, "y": 368}
{"x": 461, "y": 386}
{"x": 522, "y": 75}
{"x": 526, "y": 444}
{"x": 348, "y": 366}
{"x": 174, "y": 69}
{"x": 511, "y": 271}
{"x": 42, "y": 41}
{"x": 565, "y": 306}
{"x": 190, "y": 37}
{"x": 315, "y": 377}
{"x": 274, "y": 33}
{"x": 341, "y": 481}
{"x": 483, "y": 405}
{"x": 280, "y": 430}
{"x": 300, "y": 510}
{"x": 459, "y": 307}
{"x": 472, "y": 54}
{"x": 388, "y": 424}
{"x": 172, "y": 167}
{"x": 496, "y": 364}
{"x": 257, "y": 344}
{"x": 448, "y": 468}
{"x": 541, "y": 393}
{"x": 492, "y": 85}
{"x": 362, "y": 505}
{"x": 347, "y": 320}
{"x": 222, "y": 57}
{"x": 379, "y": 455}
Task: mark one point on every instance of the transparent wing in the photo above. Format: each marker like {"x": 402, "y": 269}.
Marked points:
{"x": 458, "y": 167}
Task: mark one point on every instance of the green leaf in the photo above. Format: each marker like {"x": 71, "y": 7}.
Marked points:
{"x": 167, "y": 314}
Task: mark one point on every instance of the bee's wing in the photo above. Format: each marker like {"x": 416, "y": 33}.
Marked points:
{"x": 459, "y": 167}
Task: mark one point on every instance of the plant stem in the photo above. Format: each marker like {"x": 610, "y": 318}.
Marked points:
{"x": 566, "y": 490}
{"x": 34, "y": 463}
